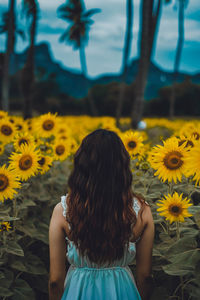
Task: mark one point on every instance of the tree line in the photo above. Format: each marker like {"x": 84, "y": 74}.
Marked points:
{"x": 79, "y": 20}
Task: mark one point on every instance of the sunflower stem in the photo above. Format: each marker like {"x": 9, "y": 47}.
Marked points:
{"x": 163, "y": 227}
{"x": 14, "y": 215}
{"x": 181, "y": 277}
{"x": 170, "y": 185}
{"x": 177, "y": 230}
{"x": 168, "y": 227}
{"x": 4, "y": 237}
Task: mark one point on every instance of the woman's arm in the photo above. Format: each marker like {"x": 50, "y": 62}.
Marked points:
{"x": 57, "y": 251}
{"x": 144, "y": 249}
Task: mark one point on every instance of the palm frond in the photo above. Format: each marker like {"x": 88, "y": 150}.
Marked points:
{"x": 91, "y": 12}
{"x": 64, "y": 36}
{"x": 65, "y": 16}
{"x": 64, "y": 9}
{"x": 29, "y": 7}
{"x": 21, "y": 33}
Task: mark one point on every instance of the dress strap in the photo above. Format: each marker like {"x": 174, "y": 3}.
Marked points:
{"x": 136, "y": 206}
{"x": 64, "y": 204}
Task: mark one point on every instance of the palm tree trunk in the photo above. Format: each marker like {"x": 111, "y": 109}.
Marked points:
{"x": 83, "y": 59}
{"x": 126, "y": 54}
{"x": 143, "y": 63}
{"x": 84, "y": 71}
{"x": 28, "y": 71}
{"x": 178, "y": 56}
{"x": 148, "y": 37}
{"x": 9, "y": 51}
{"x": 154, "y": 28}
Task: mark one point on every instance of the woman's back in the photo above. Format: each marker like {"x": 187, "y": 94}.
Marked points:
{"x": 86, "y": 280}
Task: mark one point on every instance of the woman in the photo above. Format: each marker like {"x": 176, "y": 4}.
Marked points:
{"x": 105, "y": 226}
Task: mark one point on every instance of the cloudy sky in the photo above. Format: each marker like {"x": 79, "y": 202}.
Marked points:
{"x": 104, "y": 50}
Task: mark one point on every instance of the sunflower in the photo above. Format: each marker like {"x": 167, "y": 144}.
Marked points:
{"x": 188, "y": 140}
{"x": 174, "y": 208}
{"x": 7, "y": 130}
{"x": 74, "y": 145}
{"x": 20, "y": 124}
{"x": 132, "y": 141}
{"x": 5, "y": 226}
{"x": 25, "y": 163}
{"x": 61, "y": 150}
{"x": 22, "y": 138}
{"x": 46, "y": 125}
{"x": 169, "y": 160}
{"x": 3, "y": 114}
{"x": 45, "y": 148}
{"x": 8, "y": 183}
{"x": 193, "y": 161}
{"x": 64, "y": 129}
{"x": 191, "y": 129}
{"x": 45, "y": 163}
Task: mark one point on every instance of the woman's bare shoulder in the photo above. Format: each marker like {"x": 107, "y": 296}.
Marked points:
{"x": 58, "y": 214}
{"x": 145, "y": 209}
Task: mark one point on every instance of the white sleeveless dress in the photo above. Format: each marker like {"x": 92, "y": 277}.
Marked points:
{"x": 86, "y": 281}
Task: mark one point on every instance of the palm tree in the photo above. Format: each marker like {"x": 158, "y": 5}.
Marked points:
{"x": 9, "y": 26}
{"x": 75, "y": 14}
{"x": 126, "y": 54}
{"x": 150, "y": 17}
{"x": 76, "y": 33}
{"x": 180, "y": 42}
{"x": 31, "y": 9}
{"x": 12, "y": 33}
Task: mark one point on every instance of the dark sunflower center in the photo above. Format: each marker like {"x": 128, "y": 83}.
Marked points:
{"x": 132, "y": 144}
{"x": 25, "y": 162}
{"x": 6, "y": 130}
{"x": 3, "y": 227}
{"x": 3, "y": 182}
{"x": 61, "y": 130}
{"x": 60, "y": 150}
{"x": 63, "y": 137}
{"x": 48, "y": 125}
{"x": 19, "y": 127}
{"x": 196, "y": 135}
{"x": 12, "y": 121}
{"x": 175, "y": 210}
{"x": 41, "y": 161}
{"x": 173, "y": 160}
{"x": 189, "y": 143}
{"x": 23, "y": 141}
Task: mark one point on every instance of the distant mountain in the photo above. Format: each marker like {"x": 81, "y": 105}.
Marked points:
{"x": 76, "y": 85}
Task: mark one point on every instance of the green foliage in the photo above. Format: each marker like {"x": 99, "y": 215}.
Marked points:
{"x": 24, "y": 260}
{"x": 179, "y": 258}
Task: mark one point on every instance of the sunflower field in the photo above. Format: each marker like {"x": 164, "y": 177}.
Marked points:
{"x": 36, "y": 160}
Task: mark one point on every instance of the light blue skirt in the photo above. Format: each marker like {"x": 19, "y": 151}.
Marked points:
{"x": 115, "y": 283}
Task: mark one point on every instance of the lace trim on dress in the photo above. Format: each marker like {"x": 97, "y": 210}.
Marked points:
{"x": 136, "y": 206}
{"x": 64, "y": 205}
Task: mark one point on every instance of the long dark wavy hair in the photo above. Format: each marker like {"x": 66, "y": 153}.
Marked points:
{"x": 100, "y": 199}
